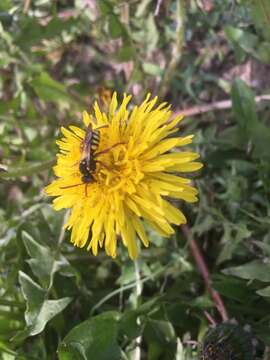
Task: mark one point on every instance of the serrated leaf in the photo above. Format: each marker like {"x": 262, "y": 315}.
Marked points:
{"x": 231, "y": 242}
{"x": 44, "y": 263}
{"x": 49, "y": 309}
{"x": 39, "y": 310}
{"x": 95, "y": 338}
{"x": 33, "y": 294}
{"x": 207, "y": 223}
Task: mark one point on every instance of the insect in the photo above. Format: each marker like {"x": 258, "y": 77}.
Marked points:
{"x": 88, "y": 161}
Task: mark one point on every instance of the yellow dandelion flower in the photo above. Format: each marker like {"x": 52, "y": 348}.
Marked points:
{"x": 121, "y": 170}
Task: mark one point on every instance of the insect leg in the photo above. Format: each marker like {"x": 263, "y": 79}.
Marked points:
{"x": 101, "y": 127}
{"x": 70, "y": 186}
{"x": 108, "y": 149}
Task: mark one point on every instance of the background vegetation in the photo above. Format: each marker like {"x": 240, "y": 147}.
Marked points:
{"x": 56, "y": 57}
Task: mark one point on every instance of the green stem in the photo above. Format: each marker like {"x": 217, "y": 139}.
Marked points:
{"x": 126, "y": 287}
{"x": 138, "y": 282}
{"x": 136, "y": 355}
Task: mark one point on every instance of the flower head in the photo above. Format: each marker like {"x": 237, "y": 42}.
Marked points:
{"x": 131, "y": 166}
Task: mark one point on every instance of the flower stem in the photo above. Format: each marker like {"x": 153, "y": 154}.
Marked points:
{"x": 127, "y": 287}
{"x": 203, "y": 270}
{"x": 138, "y": 292}
{"x": 218, "y": 105}
{"x": 138, "y": 281}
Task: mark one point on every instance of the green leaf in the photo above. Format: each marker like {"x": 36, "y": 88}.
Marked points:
{"x": 152, "y": 69}
{"x": 260, "y": 11}
{"x": 159, "y": 331}
{"x": 264, "y": 292}
{"x": 39, "y": 310}
{"x": 32, "y": 32}
{"x": 161, "y": 339}
{"x": 5, "y": 5}
{"x": 260, "y": 136}
{"x": 151, "y": 33}
{"x": 116, "y": 28}
{"x": 246, "y": 42}
{"x": 206, "y": 224}
{"x": 264, "y": 247}
{"x": 233, "y": 288}
{"x": 129, "y": 324}
{"x": 254, "y": 270}
{"x": 242, "y": 41}
{"x": 142, "y": 7}
{"x": 232, "y": 241}
{"x": 105, "y": 7}
{"x": 244, "y": 106}
{"x": 264, "y": 52}
{"x": 49, "y": 89}
{"x": 126, "y": 53}
{"x": 95, "y": 338}
{"x": 43, "y": 262}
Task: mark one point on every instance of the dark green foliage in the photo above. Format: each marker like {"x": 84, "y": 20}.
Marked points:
{"x": 57, "y": 301}
{"x": 83, "y": 343}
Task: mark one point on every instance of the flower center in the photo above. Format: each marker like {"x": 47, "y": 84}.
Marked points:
{"x": 117, "y": 170}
